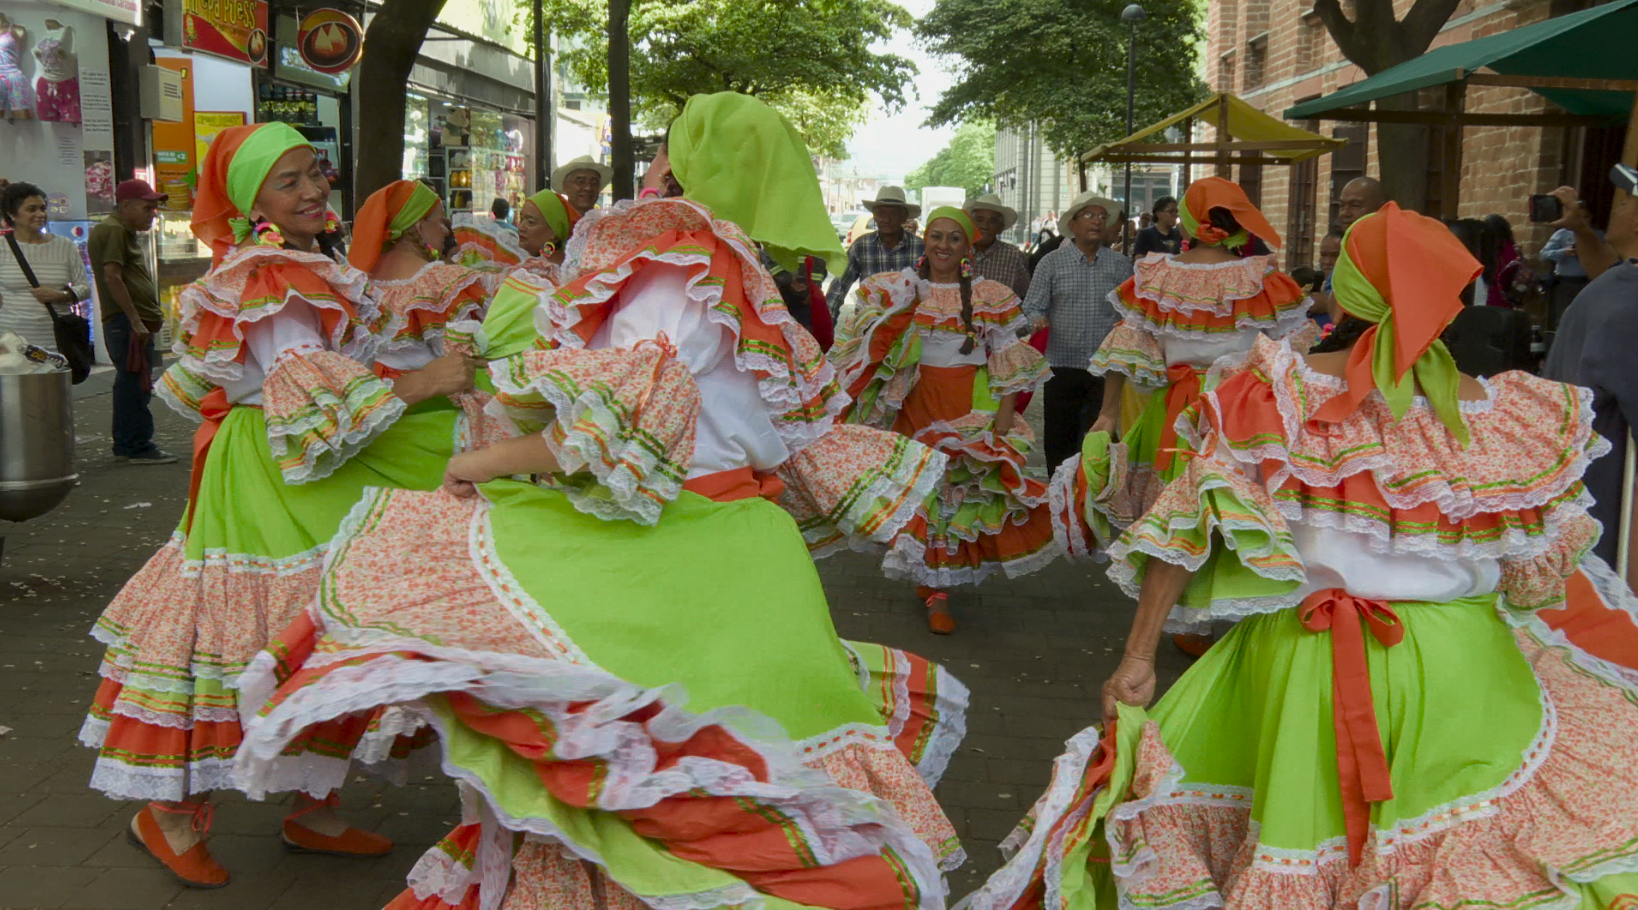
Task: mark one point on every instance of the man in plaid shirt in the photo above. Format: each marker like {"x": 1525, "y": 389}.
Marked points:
{"x": 992, "y": 257}
{"x": 1069, "y": 293}
{"x": 888, "y": 249}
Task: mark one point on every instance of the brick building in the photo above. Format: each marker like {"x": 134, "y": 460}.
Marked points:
{"x": 1277, "y": 53}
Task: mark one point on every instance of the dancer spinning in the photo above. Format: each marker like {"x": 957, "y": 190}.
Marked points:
{"x": 276, "y": 346}
{"x": 1179, "y": 314}
{"x": 935, "y": 355}
{"x": 1387, "y": 530}
{"x": 632, "y": 665}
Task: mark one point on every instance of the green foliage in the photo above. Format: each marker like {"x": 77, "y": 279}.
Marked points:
{"x": 968, "y": 161}
{"x": 809, "y": 59}
{"x": 1062, "y": 64}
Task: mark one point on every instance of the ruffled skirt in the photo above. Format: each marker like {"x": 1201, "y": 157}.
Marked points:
{"x": 166, "y": 718}
{"x": 663, "y": 712}
{"x": 990, "y": 514}
{"x": 1509, "y": 751}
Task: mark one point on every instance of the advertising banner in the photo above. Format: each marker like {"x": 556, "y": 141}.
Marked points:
{"x": 235, "y": 29}
{"x": 173, "y": 144}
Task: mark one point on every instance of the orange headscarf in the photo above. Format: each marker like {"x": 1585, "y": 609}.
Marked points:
{"x": 1404, "y": 272}
{"x": 227, "y": 190}
{"x": 379, "y": 220}
{"x": 1210, "y": 193}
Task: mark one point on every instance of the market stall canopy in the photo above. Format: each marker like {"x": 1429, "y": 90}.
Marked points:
{"x": 1583, "y": 62}
{"x": 1244, "y": 135}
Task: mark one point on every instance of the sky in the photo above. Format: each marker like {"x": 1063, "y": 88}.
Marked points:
{"x": 893, "y": 145}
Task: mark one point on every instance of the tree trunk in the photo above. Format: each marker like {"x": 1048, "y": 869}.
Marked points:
{"x": 1402, "y": 150}
{"x": 391, "y": 44}
{"x": 625, "y": 165}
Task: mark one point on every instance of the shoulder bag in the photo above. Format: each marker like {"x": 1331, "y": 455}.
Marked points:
{"x": 73, "y": 331}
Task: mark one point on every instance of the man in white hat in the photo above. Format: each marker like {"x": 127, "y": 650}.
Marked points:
{"x": 992, "y": 257}
{"x": 582, "y": 181}
{"x": 887, "y": 249}
{"x": 1070, "y": 294}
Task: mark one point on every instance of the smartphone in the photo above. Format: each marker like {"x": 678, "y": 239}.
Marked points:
{"x": 1545, "y": 209}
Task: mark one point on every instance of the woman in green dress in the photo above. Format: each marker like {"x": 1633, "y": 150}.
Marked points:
{"x": 631, "y": 664}
{"x": 1392, "y": 723}
{"x": 276, "y": 347}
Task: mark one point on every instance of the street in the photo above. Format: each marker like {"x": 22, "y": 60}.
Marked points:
{"x": 1034, "y": 652}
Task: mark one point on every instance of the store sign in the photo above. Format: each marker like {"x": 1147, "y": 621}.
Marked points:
{"x": 127, "y": 11}
{"x": 235, "y": 29}
{"x": 173, "y": 141}
{"x": 330, "y": 40}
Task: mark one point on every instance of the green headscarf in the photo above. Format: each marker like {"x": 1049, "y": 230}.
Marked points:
{"x": 251, "y": 163}
{"x": 420, "y": 202}
{"x": 740, "y": 158}
{"x": 956, "y": 215}
{"x": 551, "y": 208}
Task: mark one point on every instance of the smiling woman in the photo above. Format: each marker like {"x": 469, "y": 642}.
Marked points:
{"x": 276, "y": 345}
{"x": 59, "y": 272}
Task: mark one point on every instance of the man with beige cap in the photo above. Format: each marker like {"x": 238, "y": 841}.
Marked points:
{"x": 582, "y": 181}
{"x": 887, "y": 249}
{"x": 992, "y": 257}
{"x": 1070, "y": 294}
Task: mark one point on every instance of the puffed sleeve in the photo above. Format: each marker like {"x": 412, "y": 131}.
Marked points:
{"x": 1013, "y": 365}
{"x": 1131, "y": 350}
{"x": 858, "y": 486}
{"x": 619, "y": 421}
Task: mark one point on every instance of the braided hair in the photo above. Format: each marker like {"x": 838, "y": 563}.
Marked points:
{"x": 925, "y": 271}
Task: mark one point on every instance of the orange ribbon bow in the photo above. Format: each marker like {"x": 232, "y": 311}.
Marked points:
{"x": 1362, "y": 765}
{"x": 1182, "y": 392}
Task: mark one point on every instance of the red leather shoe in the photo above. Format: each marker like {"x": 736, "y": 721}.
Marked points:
{"x": 939, "y": 620}
{"x": 351, "y": 842}
{"x": 193, "y": 867}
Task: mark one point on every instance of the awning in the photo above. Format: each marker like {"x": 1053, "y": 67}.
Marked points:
{"x": 1243, "y": 133}
{"x": 1593, "y": 44}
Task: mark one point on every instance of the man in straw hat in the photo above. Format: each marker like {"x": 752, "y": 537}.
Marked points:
{"x": 582, "y": 180}
{"x": 1070, "y": 293}
{"x": 993, "y": 258}
{"x": 887, "y": 249}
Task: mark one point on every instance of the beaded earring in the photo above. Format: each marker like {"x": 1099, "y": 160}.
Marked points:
{"x": 921, "y": 264}
{"x": 966, "y": 268}
{"x": 548, "y": 248}
{"x": 267, "y": 234}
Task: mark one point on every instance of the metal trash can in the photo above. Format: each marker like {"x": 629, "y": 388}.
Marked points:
{"x": 36, "y": 444}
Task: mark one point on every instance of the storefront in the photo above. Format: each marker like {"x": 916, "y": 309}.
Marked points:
{"x": 56, "y": 116}
{"x": 469, "y": 124}
{"x": 317, "y": 104}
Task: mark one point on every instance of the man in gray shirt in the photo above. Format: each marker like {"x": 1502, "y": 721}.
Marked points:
{"x": 1069, "y": 293}
{"x": 1594, "y": 348}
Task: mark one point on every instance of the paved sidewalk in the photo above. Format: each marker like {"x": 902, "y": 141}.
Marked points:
{"x": 1034, "y": 651}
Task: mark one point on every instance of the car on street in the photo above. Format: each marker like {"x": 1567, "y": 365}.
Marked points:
{"x": 844, "y": 221}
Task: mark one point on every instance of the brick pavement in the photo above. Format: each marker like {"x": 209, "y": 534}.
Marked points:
{"x": 1033, "y": 651}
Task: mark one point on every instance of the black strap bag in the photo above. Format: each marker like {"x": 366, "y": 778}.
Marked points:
{"x": 73, "y": 331}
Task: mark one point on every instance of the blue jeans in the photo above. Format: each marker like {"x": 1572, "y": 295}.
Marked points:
{"x": 133, "y": 422}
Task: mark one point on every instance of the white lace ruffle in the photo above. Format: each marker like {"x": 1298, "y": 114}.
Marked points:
{"x": 210, "y": 294}
{"x": 839, "y": 824}
{"x": 781, "y": 390}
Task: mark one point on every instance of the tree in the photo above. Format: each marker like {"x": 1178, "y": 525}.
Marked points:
{"x": 968, "y": 162}
{"x": 1062, "y": 65}
{"x": 809, "y": 59}
{"x": 392, "y": 41}
{"x": 1374, "y": 40}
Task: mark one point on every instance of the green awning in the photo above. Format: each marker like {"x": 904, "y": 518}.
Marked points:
{"x": 1594, "y": 43}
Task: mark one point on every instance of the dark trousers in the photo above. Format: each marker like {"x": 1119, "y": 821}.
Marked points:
{"x": 1564, "y": 291}
{"x": 133, "y": 422}
{"x": 1070, "y": 402}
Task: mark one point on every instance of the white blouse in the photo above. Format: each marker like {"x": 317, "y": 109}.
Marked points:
{"x": 734, "y": 428}
{"x": 57, "y": 264}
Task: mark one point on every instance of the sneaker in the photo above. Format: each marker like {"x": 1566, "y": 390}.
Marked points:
{"x": 152, "y": 456}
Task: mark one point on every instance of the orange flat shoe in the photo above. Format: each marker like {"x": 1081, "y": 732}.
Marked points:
{"x": 194, "y": 867}
{"x": 939, "y": 620}
{"x": 351, "y": 842}
{"x": 1193, "y": 645}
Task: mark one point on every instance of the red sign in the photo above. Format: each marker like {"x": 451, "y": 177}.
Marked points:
{"x": 235, "y": 29}
{"x": 330, "y": 41}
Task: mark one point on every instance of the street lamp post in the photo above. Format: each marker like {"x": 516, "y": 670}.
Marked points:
{"x": 1132, "y": 14}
